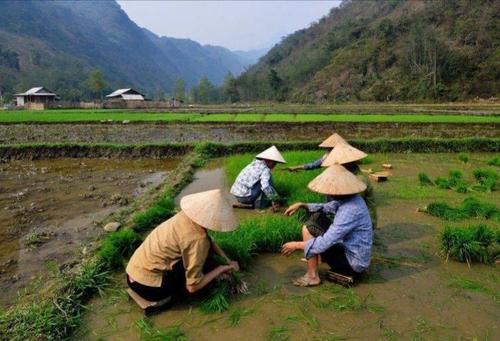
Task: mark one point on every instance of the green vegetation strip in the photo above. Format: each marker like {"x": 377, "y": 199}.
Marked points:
{"x": 62, "y": 116}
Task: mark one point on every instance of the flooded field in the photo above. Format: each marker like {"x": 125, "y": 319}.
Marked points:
{"x": 50, "y": 209}
{"x": 228, "y": 132}
{"x": 410, "y": 292}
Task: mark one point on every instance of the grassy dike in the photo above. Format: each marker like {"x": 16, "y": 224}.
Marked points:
{"x": 58, "y": 312}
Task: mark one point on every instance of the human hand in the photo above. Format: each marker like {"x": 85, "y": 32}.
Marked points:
{"x": 293, "y": 208}
{"x": 293, "y": 168}
{"x": 234, "y": 265}
{"x": 288, "y": 248}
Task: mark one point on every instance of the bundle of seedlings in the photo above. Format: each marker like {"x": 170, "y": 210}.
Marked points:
{"x": 454, "y": 181}
{"x": 469, "y": 244}
{"x": 469, "y": 208}
{"x": 424, "y": 180}
{"x": 495, "y": 161}
{"x": 464, "y": 157}
{"x": 488, "y": 180}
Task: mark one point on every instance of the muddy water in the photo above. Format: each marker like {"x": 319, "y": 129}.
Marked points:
{"x": 409, "y": 293}
{"x": 50, "y": 210}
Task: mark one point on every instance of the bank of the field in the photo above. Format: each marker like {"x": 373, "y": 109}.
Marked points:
{"x": 107, "y": 116}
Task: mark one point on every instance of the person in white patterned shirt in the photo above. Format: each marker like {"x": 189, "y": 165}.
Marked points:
{"x": 254, "y": 185}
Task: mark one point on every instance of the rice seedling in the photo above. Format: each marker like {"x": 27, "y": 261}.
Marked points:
{"x": 494, "y": 161}
{"x": 278, "y": 334}
{"x": 237, "y": 314}
{"x": 217, "y": 299}
{"x": 424, "y": 180}
{"x": 367, "y": 160}
{"x": 469, "y": 208}
{"x": 118, "y": 246}
{"x": 149, "y": 333}
{"x": 468, "y": 244}
{"x": 155, "y": 215}
{"x": 488, "y": 180}
{"x": 464, "y": 157}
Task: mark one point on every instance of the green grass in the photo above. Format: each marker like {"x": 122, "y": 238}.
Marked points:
{"x": 469, "y": 244}
{"x": 80, "y": 115}
{"x": 237, "y": 314}
{"x": 149, "y": 333}
{"x": 469, "y": 208}
{"x": 462, "y": 283}
{"x": 494, "y": 161}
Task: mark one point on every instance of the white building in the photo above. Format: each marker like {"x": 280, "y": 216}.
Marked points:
{"x": 127, "y": 95}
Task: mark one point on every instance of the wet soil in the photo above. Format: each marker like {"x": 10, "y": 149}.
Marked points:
{"x": 230, "y": 132}
{"x": 410, "y": 292}
{"x": 51, "y": 209}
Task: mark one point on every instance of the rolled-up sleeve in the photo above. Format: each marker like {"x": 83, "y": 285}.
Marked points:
{"x": 329, "y": 207}
{"x": 314, "y": 164}
{"x": 266, "y": 184}
{"x": 194, "y": 256}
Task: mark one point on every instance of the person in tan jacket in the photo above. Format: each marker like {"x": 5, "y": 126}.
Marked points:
{"x": 176, "y": 257}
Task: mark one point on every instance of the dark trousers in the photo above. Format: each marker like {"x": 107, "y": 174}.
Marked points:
{"x": 257, "y": 197}
{"x": 317, "y": 224}
{"x": 173, "y": 283}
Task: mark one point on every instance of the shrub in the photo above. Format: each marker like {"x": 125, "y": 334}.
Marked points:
{"x": 424, "y": 180}
{"x": 468, "y": 244}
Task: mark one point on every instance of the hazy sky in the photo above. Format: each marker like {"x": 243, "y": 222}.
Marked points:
{"x": 237, "y": 25}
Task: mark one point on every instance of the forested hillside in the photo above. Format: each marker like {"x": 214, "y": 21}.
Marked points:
{"x": 58, "y": 44}
{"x": 385, "y": 51}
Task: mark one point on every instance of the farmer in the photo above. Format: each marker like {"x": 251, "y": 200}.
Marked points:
{"x": 346, "y": 243}
{"x": 329, "y": 144}
{"x": 253, "y": 187}
{"x": 176, "y": 258}
{"x": 348, "y": 156}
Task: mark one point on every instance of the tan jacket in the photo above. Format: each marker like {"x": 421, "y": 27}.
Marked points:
{"x": 178, "y": 238}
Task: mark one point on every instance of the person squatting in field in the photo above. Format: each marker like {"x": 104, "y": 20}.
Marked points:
{"x": 346, "y": 243}
{"x": 344, "y": 154}
{"x": 177, "y": 257}
{"x": 253, "y": 186}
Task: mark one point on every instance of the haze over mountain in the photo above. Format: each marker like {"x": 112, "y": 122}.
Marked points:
{"x": 57, "y": 43}
{"x": 385, "y": 50}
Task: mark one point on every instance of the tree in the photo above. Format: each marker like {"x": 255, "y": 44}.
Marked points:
{"x": 205, "y": 92}
{"x": 96, "y": 83}
{"x": 277, "y": 85}
{"x": 230, "y": 88}
{"x": 180, "y": 89}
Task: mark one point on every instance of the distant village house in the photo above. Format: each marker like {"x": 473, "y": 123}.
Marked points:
{"x": 127, "y": 95}
{"x": 35, "y": 98}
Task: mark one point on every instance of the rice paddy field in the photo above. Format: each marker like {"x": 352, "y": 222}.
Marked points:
{"x": 61, "y": 116}
{"x": 418, "y": 287}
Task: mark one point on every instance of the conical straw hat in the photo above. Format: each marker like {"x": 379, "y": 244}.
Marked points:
{"x": 332, "y": 141}
{"x": 343, "y": 153}
{"x": 271, "y": 153}
{"x": 336, "y": 180}
{"x": 209, "y": 209}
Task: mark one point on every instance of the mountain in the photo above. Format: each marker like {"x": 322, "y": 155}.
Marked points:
{"x": 58, "y": 43}
{"x": 195, "y": 61}
{"x": 251, "y": 57}
{"x": 383, "y": 51}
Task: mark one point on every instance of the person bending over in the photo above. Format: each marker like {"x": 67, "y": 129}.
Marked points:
{"x": 175, "y": 259}
{"x": 347, "y": 242}
{"x": 329, "y": 144}
{"x": 254, "y": 185}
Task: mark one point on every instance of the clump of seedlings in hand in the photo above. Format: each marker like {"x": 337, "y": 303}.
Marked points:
{"x": 469, "y": 244}
{"x": 469, "y": 208}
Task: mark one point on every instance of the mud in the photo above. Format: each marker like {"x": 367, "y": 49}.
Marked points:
{"x": 230, "y": 132}
{"x": 407, "y": 294}
{"x": 50, "y": 211}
